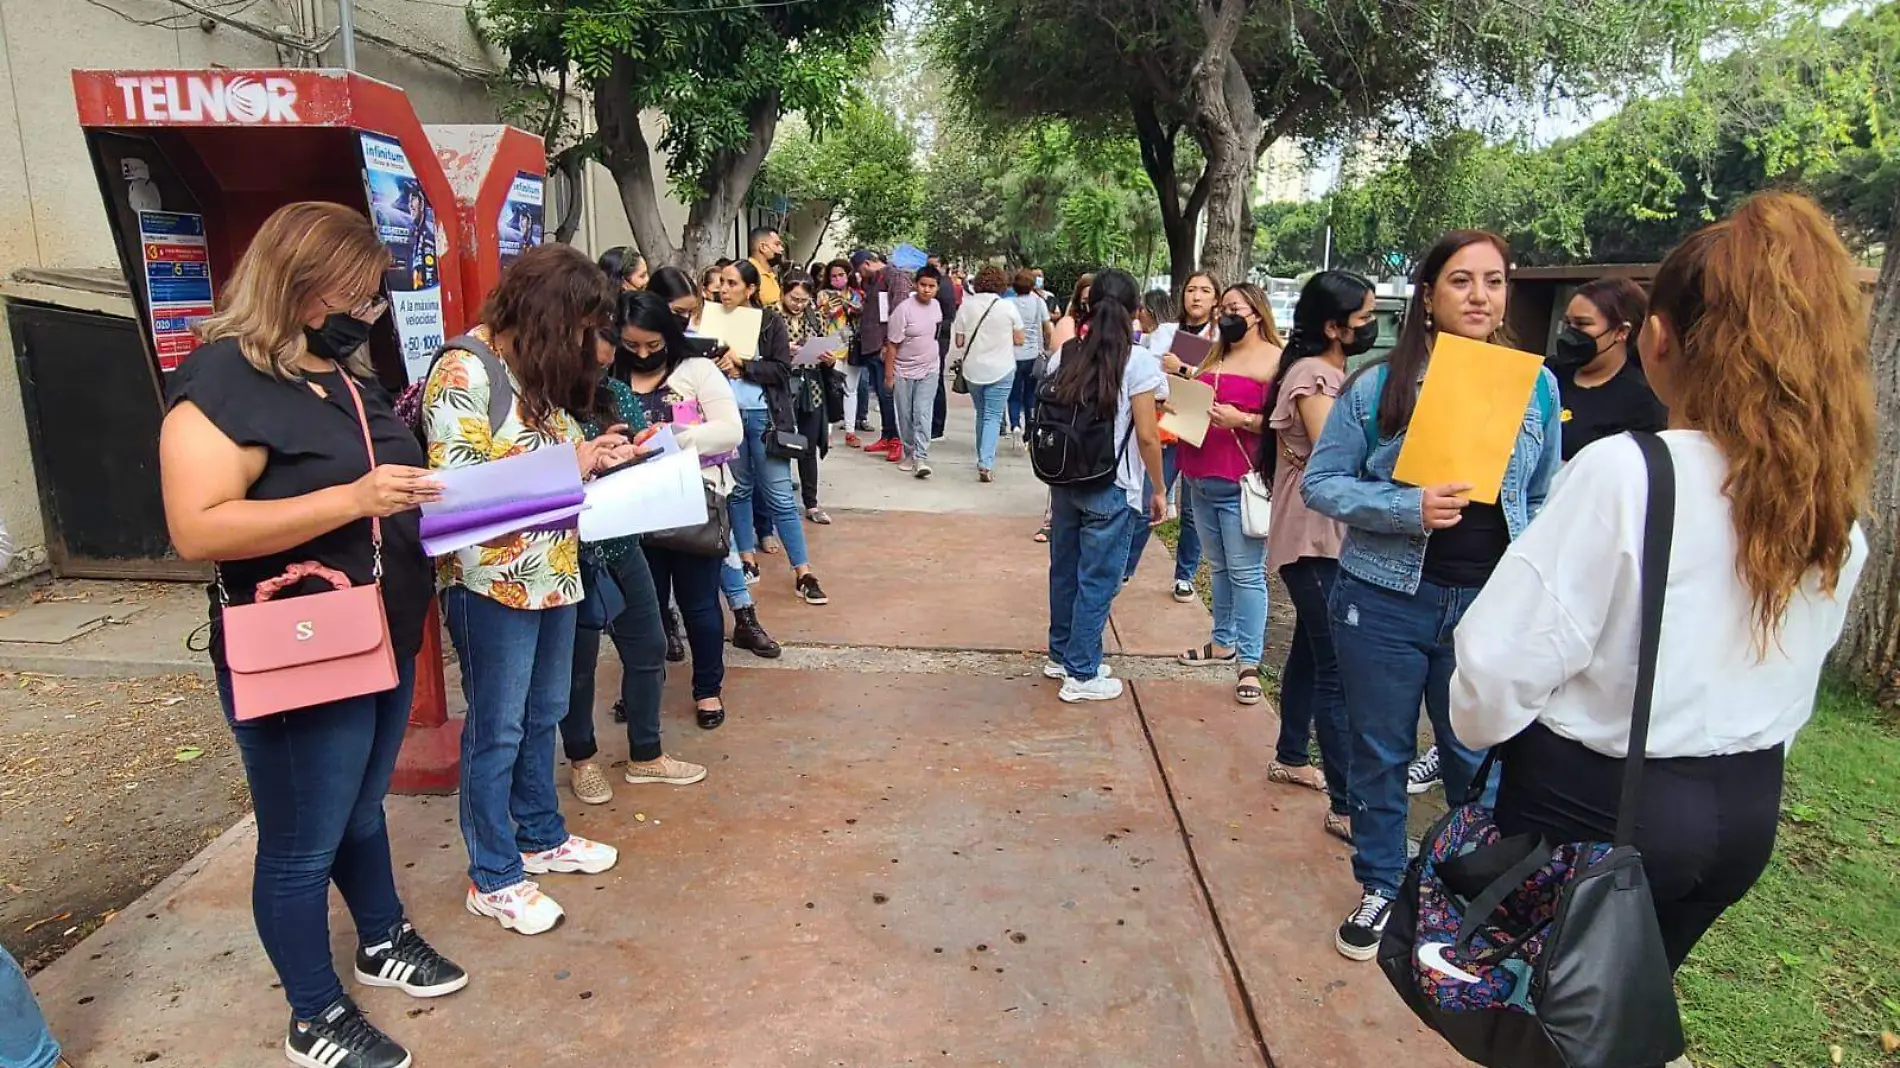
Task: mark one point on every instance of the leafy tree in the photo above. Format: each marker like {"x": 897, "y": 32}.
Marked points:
{"x": 721, "y": 78}
{"x": 1234, "y": 76}
{"x": 864, "y": 170}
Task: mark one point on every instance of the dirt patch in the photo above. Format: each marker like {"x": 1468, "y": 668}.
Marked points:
{"x": 106, "y": 787}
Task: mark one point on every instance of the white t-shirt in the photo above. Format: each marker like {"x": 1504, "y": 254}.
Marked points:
{"x": 988, "y": 325}
{"x": 1142, "y": 376}
{"x": 1552, "y": 638}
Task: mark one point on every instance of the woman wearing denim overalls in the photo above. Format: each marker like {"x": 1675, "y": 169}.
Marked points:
{"x": 1414, "y": 558}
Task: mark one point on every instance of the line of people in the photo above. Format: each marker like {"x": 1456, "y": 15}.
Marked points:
{"x": 1511, "y": 624}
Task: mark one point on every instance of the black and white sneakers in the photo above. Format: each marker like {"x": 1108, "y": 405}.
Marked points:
{"x": 1358, "y": 937}
{"x": 409, "y": 964}
{"x": 341, "y": 1037}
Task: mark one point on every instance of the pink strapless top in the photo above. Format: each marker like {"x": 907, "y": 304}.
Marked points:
{"x": 1221, "y": 454}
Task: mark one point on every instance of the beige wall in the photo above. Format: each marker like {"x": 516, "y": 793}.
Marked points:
{"x": 50, "y": 210}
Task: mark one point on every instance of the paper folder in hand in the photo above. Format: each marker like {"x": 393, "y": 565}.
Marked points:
{"x": 538, "y": 489}
{"x": 737, "y": 327}
{"x": 1466, "y": 421}
{"x": 1190, "y": 401}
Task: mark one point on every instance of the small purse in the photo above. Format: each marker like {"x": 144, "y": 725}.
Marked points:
{"x": 1256, "y": 497}
{"x": 313, "y": 649}
{"x": 702, "y": 539}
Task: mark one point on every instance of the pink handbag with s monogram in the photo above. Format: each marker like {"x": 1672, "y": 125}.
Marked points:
{"x": 314, "y": 649}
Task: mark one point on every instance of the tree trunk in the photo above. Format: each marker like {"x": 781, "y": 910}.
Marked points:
{"x": 624, "y": 149}
{"x": 726, "y": 183}
{"x": 1229, "y": 131}
{"x": 1870, "y": 646}
{"x": 1179, "y": 218}
{"x": 570, "y": 165}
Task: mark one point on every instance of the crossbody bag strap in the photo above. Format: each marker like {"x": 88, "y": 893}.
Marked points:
{"x": 980, "y": 320}
{"x": 1659, "y": 528}
{"x": 369, "y": 449}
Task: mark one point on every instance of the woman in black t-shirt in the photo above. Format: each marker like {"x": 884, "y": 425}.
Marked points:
{"x": 263, "y": 465}
{"x": 1602, "y": 386}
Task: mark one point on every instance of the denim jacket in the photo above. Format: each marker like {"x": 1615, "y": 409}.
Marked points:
{"x": 1384, "y": 520}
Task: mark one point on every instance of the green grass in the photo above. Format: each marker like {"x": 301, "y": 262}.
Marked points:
{"x": 1811, "y": 958}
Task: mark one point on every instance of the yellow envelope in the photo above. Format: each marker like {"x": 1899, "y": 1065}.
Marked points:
{"x": 1191, "y": 400}
{"x": 738, "y": 328}
{"x": 1469, "y": 410}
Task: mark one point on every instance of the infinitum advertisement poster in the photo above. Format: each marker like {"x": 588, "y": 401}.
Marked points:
{"x": 412, "y": 234}
{"x": 520, "y": 228}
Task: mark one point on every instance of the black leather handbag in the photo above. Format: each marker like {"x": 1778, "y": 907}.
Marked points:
{"x": 1522, "y": 954}
{"x": 710, "y": 538}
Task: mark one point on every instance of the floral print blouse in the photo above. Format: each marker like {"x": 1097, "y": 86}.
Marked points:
{"x": 541, "y": 569}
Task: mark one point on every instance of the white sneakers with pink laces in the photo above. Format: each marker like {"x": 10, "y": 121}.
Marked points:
{"x": 523, "y": 908}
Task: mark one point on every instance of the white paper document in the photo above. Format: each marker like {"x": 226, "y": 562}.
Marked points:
{"x": 659, "y": 494}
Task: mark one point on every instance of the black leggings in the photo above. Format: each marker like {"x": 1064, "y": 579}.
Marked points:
{"x": 1706, "y": 829}
{"x": 813, "y": 426}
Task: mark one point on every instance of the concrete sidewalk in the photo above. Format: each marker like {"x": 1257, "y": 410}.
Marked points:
{"x": 928, "y": 861}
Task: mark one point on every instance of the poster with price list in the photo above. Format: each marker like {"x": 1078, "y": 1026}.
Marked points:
{"x": 177, "y": 280}
{"x": 411, "y": 232}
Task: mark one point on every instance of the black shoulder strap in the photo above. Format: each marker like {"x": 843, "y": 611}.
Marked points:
{"x": 501, "y": 391}
{"x": 1659, "y": 529}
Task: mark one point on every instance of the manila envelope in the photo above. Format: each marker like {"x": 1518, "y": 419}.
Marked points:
{"x": 1469, "y": 410}
{"x": 738, "y": 328}
{"x": 1191, "y": 400}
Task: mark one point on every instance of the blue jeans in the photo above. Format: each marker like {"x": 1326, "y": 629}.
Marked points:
{"x": 317, "y": 777}
{"x": 1311, "y": 697}
{"x": 1187, "y": 546}
{"x": 24, "y": 1040}
{"x": 1237, "y": 566}
{"x": 762, "y": 479}
{"x": 640, "y": 641}
{"x": 990, "y": 401}
{"x": 886, "y": 401}
{"x": 1394, "y": 652}
{"x": 1088, "y": 540}
{"x": 914, "y": 397}
{"x": 517, "y": 664}
{"x": 1022, "y": 394}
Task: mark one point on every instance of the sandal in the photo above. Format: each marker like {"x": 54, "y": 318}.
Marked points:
{"x": 1042, "y": 536}
{"x": 817, "y": 515}
{"x": 1247, "y": 688}
{"x": 1205, "y": 655}
{"x": 1308, "y": 776}
{"x": 1339, "y": 826}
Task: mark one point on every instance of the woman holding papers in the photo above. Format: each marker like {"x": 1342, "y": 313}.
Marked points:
{"x": 762, "y": 385}
{"x": 512, "y": 603}
{"x": 1332, "y": 322}
{"x": 1199, "y": 296}
{"x": 1240, "y": 368}
{"x": 1414, "y": 558}
{"x": 1755, "y": 324}
{"x": 263, "y": 464}
{"x": 811, "y": 385}
{"x": 691, "y": 395}
{"x": 984, "y": 339}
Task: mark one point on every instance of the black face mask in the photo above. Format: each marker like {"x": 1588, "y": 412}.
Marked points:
{"x": 1362, "y": 339}
{"x": 340, "y": 335}
{"x": 1574, "y": 348}
{"x": 1232, "y": 329}
{"x": 639, "y": 364}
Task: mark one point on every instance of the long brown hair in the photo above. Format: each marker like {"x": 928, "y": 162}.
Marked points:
{"x": 1406, "y": 362}
{"x": 550, "y": 303}
{"x": 301, "y": 252}
{"x": 1772, "y": 364}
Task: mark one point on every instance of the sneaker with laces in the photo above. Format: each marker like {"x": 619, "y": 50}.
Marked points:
{"x": 809, "y": 590}
{"x": 852, "y": 441}
{"x": 342, "y": 1037}
{"x": 589, "y": 785}
{"x": 665, "y": 770}
{"x": 1358, "y": 937}
{"x": 751, "y": 572}
{"x": 1053, "y": 670}
{"x": 521, "y": 908}
{"x": 1099, "y": 688}
{"x": 923, "y": 470}
{"x": 577, "y": 855}
{"x": 1422, "y": 774}
{"x": 880, "y": 445}
{"x": 409, "y": 964}
{"x": 1184, "y": 591}
{"x": 895, "y": 453}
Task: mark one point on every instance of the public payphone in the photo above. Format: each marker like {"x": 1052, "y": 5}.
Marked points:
{"x": 499, "y": 174}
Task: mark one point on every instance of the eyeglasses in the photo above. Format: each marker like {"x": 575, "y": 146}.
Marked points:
{"x": 368, "y": 309}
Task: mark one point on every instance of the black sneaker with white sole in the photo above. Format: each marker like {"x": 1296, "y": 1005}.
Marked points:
{"x": 810, "y": 591}
{"x": 409, "y": 964}
{"x": 1422, "y": 774}
{"x": 341, "y": 1037}
{"x": 1358, "y": 937}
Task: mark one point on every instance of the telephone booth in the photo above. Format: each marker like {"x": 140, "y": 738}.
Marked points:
{"x": 499, "y": 175}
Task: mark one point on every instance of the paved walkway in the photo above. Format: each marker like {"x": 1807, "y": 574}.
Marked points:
{"x": 908, "y": 852}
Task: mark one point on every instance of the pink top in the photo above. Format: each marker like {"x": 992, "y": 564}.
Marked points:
{"x": 1226, "y": 454}
{"x": 1296, "y": 530}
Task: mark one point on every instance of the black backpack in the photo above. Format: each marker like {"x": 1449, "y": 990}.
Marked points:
{"x": 1073, "y": 446}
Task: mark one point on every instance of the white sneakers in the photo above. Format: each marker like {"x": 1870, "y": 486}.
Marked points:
{"x": 1053, "y": 670}
{"x": 1099, "y": 688}
{"x": 523, "y": 908}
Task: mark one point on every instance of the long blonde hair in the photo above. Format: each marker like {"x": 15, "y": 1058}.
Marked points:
{"x": 303, "y": 250}
{"x": 1772, "y": 333}
{"x": 1256, "y": 299}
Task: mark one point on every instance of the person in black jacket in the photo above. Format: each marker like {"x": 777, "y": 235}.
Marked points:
{"x": 763, "y": 471}
{"x": 948, "y": 300}
{"x": 1602, "y": 386}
